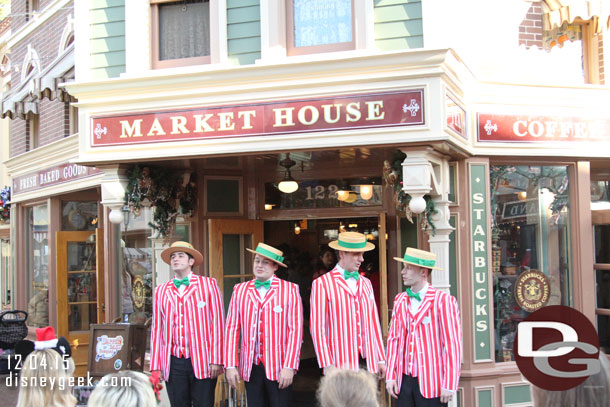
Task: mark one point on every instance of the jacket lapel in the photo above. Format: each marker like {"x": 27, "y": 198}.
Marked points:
{"x": 252, "y": 294}
{"x": 192, "y": 287}
{"x": 424, "y": 306}
{"x": 340, "y": 281}
{"x": 275, "y": 284}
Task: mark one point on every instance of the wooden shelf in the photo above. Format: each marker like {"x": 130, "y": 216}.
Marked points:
{"x": 82, "y": 302}
{"x": 81, "y": 271}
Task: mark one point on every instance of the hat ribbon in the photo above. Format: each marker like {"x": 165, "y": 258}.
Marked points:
{"x": 421, "y": 262}
{"x": 350, "y": 245}
{"x": 270, "y": 254}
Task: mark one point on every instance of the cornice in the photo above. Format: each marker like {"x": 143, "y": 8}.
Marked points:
{"x": 61, "y": 151}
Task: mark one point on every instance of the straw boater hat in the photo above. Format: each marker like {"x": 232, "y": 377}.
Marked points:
{"x": 419, "y": 258}
{"x": 269, "y": 252}
{"x": 182, "y": 247}
{"x": 351, "y": 242}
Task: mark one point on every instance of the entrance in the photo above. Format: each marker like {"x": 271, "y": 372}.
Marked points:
{"x": 80, "y": 289}
{"x": 307, "y": 255}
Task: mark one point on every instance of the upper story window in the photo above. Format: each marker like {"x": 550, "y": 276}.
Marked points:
{"x": 319, "y": 26}
{"x": 32, "y": 7}
{"x": 181, "y": 33}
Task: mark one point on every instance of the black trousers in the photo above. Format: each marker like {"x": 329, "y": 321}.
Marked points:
{"x": 262, "y": 392}
{"x": 184, "y": 389}
{"x": 410, "y": 395}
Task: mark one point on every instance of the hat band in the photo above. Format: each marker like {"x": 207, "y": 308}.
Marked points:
{"x": 421, "y": 262}
{"x": 270, "y": 254}
{"x": 349, "y": 245}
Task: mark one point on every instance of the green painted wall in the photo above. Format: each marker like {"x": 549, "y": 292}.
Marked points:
{"x": 107, "y": 44}
{"x": 243, "y": 31}
{"x": 517, "y": 394}
{"x": 398, "y": 24}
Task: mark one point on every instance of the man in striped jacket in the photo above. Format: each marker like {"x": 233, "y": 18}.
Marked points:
{"x": 187, "y": 326}
{"x": 268, "y": 313}
{"x": 425, "y": 338}
{"x": 344, "y": 319}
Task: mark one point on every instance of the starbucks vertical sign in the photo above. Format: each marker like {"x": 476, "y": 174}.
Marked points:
{"x": 480, "y": 267}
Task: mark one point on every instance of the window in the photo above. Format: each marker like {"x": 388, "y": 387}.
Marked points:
{"x": 31, "y": 133}
{"x": 600, "y": 207}
{"x": 32, "y": 7}
{"x": 37, "y": 249}
{"x": 71, "y": 112}
{"x": 319, "y": 26}
{"x": 530, "y": 234}
{"x": 181, "y": 33}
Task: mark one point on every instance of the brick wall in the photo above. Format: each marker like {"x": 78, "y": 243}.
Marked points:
{"x": 530, "y": 30}
{"x": 45, "y": 40}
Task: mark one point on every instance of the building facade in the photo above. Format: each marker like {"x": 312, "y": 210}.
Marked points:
{"x": 191, "y": 114}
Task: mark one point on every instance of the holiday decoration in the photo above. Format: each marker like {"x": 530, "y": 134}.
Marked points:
{"x": 392, "y": 176}
{"x": 5, "y": 206}
{"x": 171, "y": 193}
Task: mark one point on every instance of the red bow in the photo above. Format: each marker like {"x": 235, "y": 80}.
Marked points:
{"x": 155, "y": 380}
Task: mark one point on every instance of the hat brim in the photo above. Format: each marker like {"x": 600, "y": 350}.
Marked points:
{"x": 167, "y": 253}
{"x": 267, "y": 257}
{"x": 335, "y": 245}
{"x": 415, "y": 264}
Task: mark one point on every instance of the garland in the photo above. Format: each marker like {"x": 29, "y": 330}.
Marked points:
{"x": 5, "y": 206}
{"x": 392, "y": 176}
{"x": 166, "y": 191}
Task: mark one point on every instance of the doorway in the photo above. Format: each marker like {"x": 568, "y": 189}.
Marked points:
{"x": 307, "y": 255}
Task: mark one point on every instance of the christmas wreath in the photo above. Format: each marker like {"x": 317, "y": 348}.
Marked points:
{"x": 5, "y": 206}
{"x": 171, "y": 193}
{"x": 392, "y": 176}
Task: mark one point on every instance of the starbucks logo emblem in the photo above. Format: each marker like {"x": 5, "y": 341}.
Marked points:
{"x": 532, "y": 290}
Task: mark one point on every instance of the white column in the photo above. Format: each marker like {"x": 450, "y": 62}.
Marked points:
{"x": 114, "y": 183}
{"x": 439, "y": 244}
{"x": 161, "y": 271}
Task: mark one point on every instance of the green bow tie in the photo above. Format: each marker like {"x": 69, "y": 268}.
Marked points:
{"x": 179, "y": 282}
{"x": 266, "y": 284}
{"x": 413, "y": 295}
{"x": 353, "y": 274}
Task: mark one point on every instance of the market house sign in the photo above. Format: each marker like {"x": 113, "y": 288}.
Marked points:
{"x": 300, "y": 116}
{"x": 533, "y": 128}
{"x": 480, "y": 267}
{"x": 58, "y": 174}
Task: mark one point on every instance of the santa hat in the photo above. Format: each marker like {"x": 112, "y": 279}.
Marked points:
{"x": 45, "y": 338}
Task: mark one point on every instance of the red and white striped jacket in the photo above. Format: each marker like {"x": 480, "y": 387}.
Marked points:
{"x": 431, "y": 338}
{"x": 202, "y": 308}
{"x": 278, "y": 317}
{"x": 335, "y": 328}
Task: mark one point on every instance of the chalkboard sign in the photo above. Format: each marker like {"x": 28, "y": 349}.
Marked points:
{"x": 322, "y": 194}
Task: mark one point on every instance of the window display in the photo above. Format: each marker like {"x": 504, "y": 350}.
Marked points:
{"x": 37, "y": 248}
{"x": 530, "y": 234}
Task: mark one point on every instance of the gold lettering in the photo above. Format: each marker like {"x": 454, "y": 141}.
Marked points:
{"x": 131, "y": 131}
{"x": 247, "y": 115}
{"x": 156, "y": 128}
{"x": 315, "y": 115}
{"x": 353, "y": 112}
{"x": 226, "y": 119}
{"x": 375, "y": 110}
{"x": 327, "y": 117}
{"x": 283, "y": 117}
{"x": 179, "y": 125}
{"x": 201, "y": 123}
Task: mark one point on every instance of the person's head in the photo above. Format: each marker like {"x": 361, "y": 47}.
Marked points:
{"x": 346, "y": 388}
{"x": 266, "y": 261}
{"x": 182, "y": 257}
{"x": 595, "y": 391}
{"x": 328, "y": 259}
{"x": 351, "y": 247}
{"x": 45, "y": 380}
{"x": 418, "y": 265}
{"x": 125, "y": 388}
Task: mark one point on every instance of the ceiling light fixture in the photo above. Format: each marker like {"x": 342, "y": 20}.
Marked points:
{"x": 288, "y": 185}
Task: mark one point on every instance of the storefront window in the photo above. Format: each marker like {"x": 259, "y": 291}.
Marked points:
{"x": 37, "y": 249}
{"x": 6, "y": 277}
{"x": 530, "y": 237}
{"x": 79, "y": 215}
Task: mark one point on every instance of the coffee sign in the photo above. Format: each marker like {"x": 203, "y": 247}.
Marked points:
{"x": 404, "y": 108}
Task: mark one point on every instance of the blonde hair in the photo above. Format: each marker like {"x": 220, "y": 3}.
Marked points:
{"x": 595, "y": 391}
{"x": 347, "y": 388}
{"x": 125, "y": 388}
{"x": 45, "y": 380}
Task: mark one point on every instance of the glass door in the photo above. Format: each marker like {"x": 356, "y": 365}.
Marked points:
{"x": 80, "y": 289}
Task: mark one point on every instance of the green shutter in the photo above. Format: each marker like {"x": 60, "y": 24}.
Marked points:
{"x": 243, "y": 31}
{"x": 107, "y": 43}
{"x": 398, "y": 24}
